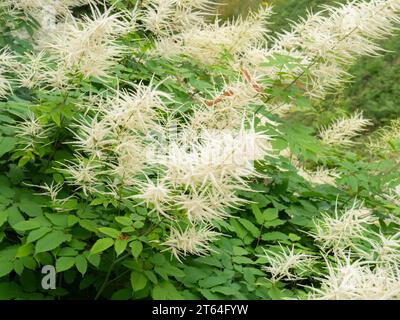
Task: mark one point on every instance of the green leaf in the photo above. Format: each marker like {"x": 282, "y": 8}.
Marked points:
{"x": 294, "y": 237}
{"x": 26, "y": 225}
{"x": 125, "y": 221}
{"x": 120, "y": 246}
{"x": 138, "y": 280}
{"x": 51, "y": 241}
{"x": 13, "y": 215}
{"x": 37, "y": 234}
{"x": 136, "y": 248}
{"x": 81, "y": 264}
{"x": 239, "y": 251}
{"x": 25, "y": 250}
{"x": 3, "y": 217}
{"x": 257, "y": 213}
{"x": 64, "y": 263}
{"x": 271, "y": 214}
{"x": 242, "y": 260}
{"x": 5, "y": 268}
{"x": 275, "y": 235}
{"x": 72, "y": 220}
{"x": 7, "y": 144}
{"x": 110, "y": 232}
{"x": 251, "y": 227}
{"x": 165, "y": 291}
{"x": 30, "y": 207}
{"x": 101, "y": 245}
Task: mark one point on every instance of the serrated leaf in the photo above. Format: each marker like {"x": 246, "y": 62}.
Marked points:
{"x": 81, "y": 264}
{"x": 250, "y": 227}
{"x": 138, "y": 281}
{"x": 136, "y": 248}
{"x": 30, "y": 207}
{"x": 113, "y": 233}
{"x": 64, "y": 263}
{"x": 37, "y": 234}
{"x": 24, "y": 250}
{"x": 26, "y": 225}
{"x": 51, "y": 241}
{"x": 120, "y": 246}
{"x": 101, "y": 245}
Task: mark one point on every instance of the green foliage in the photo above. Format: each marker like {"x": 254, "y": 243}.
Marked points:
{"x": 109, "y": 248}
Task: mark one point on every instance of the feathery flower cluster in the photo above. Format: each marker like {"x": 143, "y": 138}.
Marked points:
{"x": 88, "y": 45}
{"x": 190, "y": 241}
{"x": 30, "y": 131}
{"x": 388, "y": 139}
{"x": 7, "y": 64}
{"x": 342, "y": 229}
{"x": 286, "y": 264}
{"x": 358, "y": 280}
{"x": 165, "y": 17}
{"x": 343, "y": 130}
{"x": 195, "y": 173}
{"x": 207, "y": 43}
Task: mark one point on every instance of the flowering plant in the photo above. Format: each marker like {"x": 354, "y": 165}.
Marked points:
{"x": 148, "y": 150}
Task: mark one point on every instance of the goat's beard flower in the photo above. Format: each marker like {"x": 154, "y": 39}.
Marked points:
{"x": 157, "y": 194}
{"x": 7, "y": 64}
{"x": 215, "y": 157}
{"x": 341, "y": 230}
{"x": 208, "y": 42}
{"x": 209, "y": 204}
{"x": 88, "y": 45}
{"x": 286, "y": 264}
{"x": 357, "y": 280}
{"x": 31, "y": 130}
{"x": 83, "y": 173}
{"x": 343, "y": 130}
{"x": 136, "y": 111}
{"x": 193, "y": 240}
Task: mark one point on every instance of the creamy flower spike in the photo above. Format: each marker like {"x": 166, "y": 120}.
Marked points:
{"x": 343, "y": 228}
{"x": 88, "y": 45}
{"x": 193, "y": 241}
{"x": 343, "y": 130}
{"x": 286, "y": 264}
{"x": 357, "y": 280}
{"x": 215, "y": 157}
{"x": 8, "y": 64}
{"x": 208, "y": 42}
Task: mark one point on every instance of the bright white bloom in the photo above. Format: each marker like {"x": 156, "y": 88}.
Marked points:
{"x": 83, "y": 173}
{"x": 158, "y": 16}
{"x": 193, "y": 240}
{"x": 382, "y": 248}
{"x": 92, "y": 136}
{"x": 343, "y": 228}
{"x": 130, "y": 157}
{"x": 7, "y": 64}
{"x": 156, "y": 194}
{"x": 208, "y": 204}
{"x": 348, "y": 280}
{"x": 208, "y": 43}
{"x": 343, "y": 130}
{"x": 286, "y": 264}
{"x": 136, "y": 111}
{"x": 88, "y": 45}
{"x": 215, "y": 158}
{"x": 30, "y": 130}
